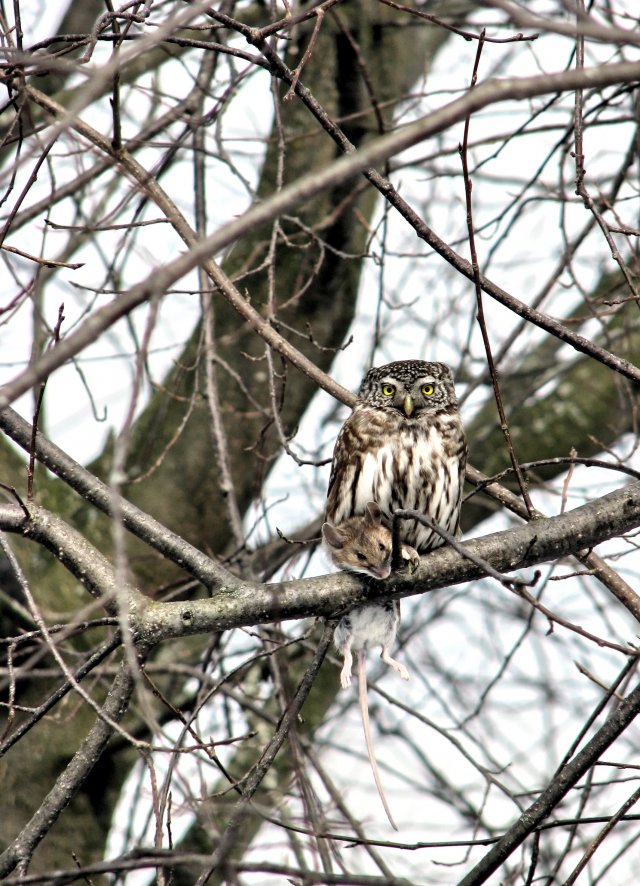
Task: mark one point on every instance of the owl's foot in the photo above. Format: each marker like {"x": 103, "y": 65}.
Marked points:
{"x": 400, "y": 668}
{"x": 410, "y": 560}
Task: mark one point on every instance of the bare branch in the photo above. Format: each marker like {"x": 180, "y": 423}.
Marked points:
{"x": 19, "y": 852}
{"x": 304, "y": 189}
{"x": 103, "y": 497}
{"x": 247, "y": 603}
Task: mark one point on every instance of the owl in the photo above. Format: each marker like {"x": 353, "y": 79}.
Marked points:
{"x": 403, "y": 447}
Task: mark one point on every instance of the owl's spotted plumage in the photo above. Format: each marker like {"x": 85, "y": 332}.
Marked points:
{"x": 403, "y": 446}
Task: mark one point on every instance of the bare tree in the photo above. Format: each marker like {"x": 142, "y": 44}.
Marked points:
{"x": 235, "y": 210}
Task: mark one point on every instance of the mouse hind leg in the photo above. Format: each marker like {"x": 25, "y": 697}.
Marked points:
{"x": 343, "y": 639}
{"x": 345, "y": 673}
{"x": 385, "y": 655}
{"x": 393, "y": 614}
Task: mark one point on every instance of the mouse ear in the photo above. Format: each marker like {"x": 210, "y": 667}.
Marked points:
{"x": 332, "y": 536}
{"x": 373, "y": 514}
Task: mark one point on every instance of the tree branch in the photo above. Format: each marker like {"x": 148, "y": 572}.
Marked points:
{"x": 291, "y": 196}
{"x": 558, "y": 788}
{"x": 539, "y": 541}
{"x": 139, "y": 523}
{"x": 19, "y": 852}
{"x": 80, "y": 557}
{"x": 244, "y": 603}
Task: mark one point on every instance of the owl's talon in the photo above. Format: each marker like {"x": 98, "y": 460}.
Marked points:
{"x": 410, "y": 560}
{"x": 407, "y": 568}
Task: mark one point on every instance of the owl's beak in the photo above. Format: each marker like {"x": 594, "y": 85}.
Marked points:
{"x": 408, "y": 406}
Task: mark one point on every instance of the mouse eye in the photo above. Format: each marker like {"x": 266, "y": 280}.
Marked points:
{"x": 427, "y": 390}
{"x": 381, "y": 546}
{"x": 388, "y": 390}
{"x": 360, "y": 556}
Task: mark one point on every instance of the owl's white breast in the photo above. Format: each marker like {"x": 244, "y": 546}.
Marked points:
{"x": 416, "y": 471}
{"x": 374, "y": 480}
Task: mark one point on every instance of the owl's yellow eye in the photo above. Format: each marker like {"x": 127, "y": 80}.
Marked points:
{"x": 427, "y": 390}
{"x": 388, "y": 390}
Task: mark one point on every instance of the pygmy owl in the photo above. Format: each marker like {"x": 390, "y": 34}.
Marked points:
{"x": 403, "y": 446}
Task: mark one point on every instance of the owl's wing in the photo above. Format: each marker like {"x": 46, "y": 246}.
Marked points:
{"x": 347, "y": 460}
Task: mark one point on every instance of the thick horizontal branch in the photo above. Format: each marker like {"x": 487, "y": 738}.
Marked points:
{"x": 94, "y": 570}
{"x": 79, "y": 556}
{"x": 161, "y": 279}
{"x": 243, "y": 603}
{"x": 541, "y": 540}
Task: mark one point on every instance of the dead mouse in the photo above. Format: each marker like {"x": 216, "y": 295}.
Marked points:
{"x": 363, "y": 545}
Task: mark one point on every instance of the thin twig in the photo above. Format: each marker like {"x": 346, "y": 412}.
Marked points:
{"x": 310, "y": 11}
{"x": 468, "y": 35}
{"x": 559, "y": 460}
{"x": 578, "y": 154}
{"x": 598, "y": 682}
{"x": 459, "y": 547}
{"x": 243, "y": 807}
{"x": 45, "y": 262}
{"x": 612, "y": 691}
{"x": 597, "y": 841}
{"x": 319, "y": 14}
{"x": 567, "y": 482}
{"x": 55, "y": 338}
{"x": 504, "y": 425}
{"x": 13, "y": 491}
{"x": 226, "y": 483}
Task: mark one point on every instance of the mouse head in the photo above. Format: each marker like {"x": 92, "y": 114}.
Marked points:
{"x": 360, "y": 544}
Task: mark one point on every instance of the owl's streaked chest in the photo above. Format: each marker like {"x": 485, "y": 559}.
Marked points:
{"x": 418, "y": 467}
{"x": 397, "y": 471}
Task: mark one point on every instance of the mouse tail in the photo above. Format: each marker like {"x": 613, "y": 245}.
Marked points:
{"x": 364, "y": 710}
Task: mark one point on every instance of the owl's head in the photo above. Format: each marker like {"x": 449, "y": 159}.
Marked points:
{"x": 410, "y": 387}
